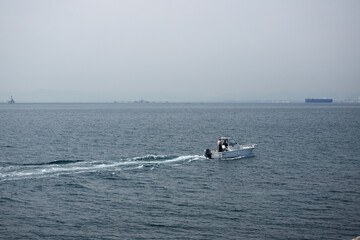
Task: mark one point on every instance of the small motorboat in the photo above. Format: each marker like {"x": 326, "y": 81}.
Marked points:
{"x": 229, "y": 148}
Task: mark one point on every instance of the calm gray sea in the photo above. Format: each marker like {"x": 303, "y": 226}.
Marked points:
{"x": 136, "y": 171}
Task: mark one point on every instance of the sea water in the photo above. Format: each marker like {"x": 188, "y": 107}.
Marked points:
{"x": 136, "y": 171}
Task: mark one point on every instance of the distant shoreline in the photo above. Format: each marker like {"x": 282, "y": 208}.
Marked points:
{"x": 164, "y": 103}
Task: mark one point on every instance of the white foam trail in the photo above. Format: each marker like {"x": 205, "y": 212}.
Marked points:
{"x": 25, "y": 172}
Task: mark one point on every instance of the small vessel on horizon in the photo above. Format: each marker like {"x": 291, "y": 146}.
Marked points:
{"x": 318, "y": 100}
{"x": 11, "y": 100}
{"x": 228, "y": 148}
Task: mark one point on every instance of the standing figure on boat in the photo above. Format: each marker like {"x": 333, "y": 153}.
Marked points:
{"x": 226, "y": 144}
{"x": 219, "y": 144}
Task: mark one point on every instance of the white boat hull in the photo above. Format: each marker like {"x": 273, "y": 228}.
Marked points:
{"x": 244, "y": 151}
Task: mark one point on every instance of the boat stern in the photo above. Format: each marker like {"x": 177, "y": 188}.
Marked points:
{"x": 207, "y": 153}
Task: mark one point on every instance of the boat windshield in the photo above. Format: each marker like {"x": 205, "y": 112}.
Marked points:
{"x": 232, "y": 142}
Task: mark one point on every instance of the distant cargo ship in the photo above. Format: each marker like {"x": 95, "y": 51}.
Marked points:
{"x": 11, "y": 100}
{"x": 318, "y": 100}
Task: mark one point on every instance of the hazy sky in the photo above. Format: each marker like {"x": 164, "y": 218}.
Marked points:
{"x": 178, "y": 50}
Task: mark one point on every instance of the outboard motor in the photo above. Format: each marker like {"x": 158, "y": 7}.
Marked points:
{"x": 207, "y": 153}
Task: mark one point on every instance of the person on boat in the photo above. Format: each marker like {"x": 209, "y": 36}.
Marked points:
{"x": 226, "y": 144}
{"x": 219, "y": 143}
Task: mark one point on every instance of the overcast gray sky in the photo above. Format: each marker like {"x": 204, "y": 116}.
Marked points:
{"x": 178, "y": 50}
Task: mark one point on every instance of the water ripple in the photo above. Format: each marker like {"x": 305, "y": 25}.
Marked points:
{"x": 54, "y": 168}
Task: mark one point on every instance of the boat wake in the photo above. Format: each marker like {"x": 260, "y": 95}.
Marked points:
{"x": 56, "y": 168}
